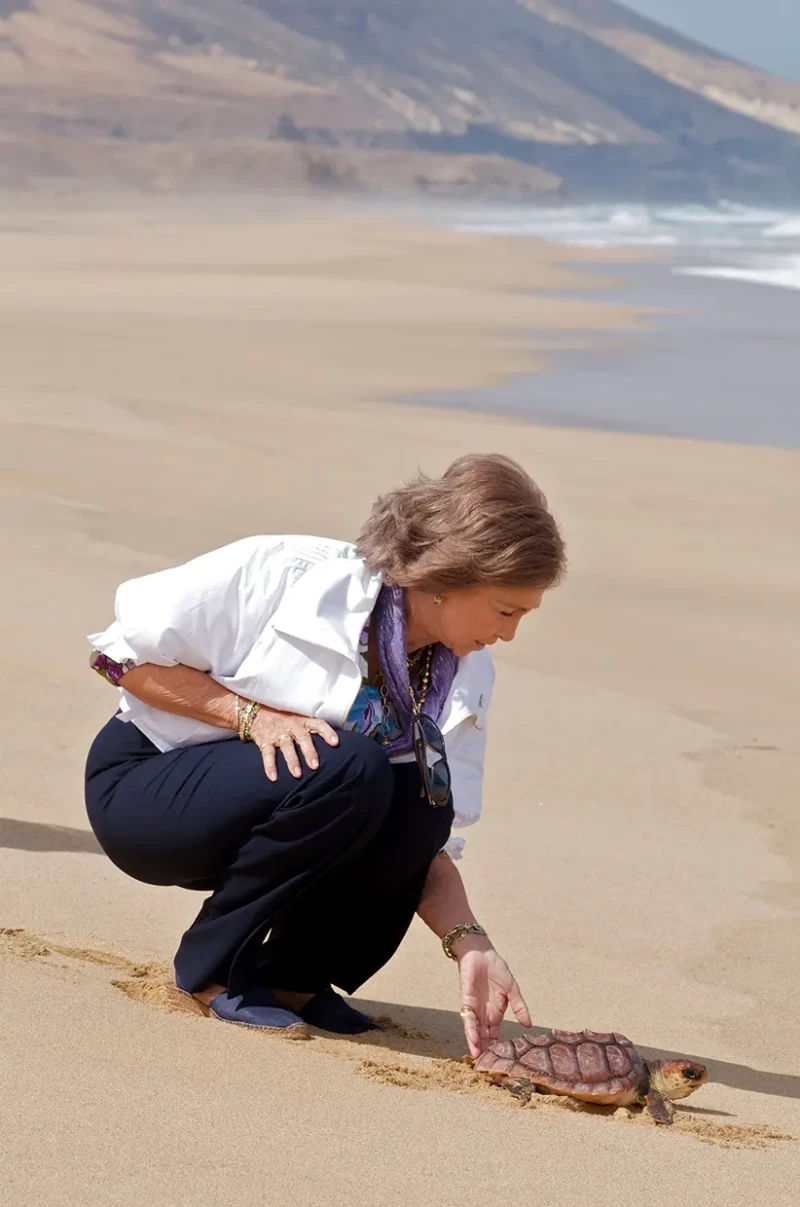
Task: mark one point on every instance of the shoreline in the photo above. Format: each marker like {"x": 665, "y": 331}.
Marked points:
{"x": 693, "y": 371}
{"x": 169, "y": 388}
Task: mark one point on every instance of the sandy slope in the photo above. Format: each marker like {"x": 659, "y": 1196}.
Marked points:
{"x": 165, "y": 390}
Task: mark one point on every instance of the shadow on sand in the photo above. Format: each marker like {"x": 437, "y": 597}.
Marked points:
{"x": 420, "y": 1031}
{"x": 36, "y": 836}
{"x": 415, "y": 1030}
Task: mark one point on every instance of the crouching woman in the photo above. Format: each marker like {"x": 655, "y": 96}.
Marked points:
{"x": 301, "y": 723}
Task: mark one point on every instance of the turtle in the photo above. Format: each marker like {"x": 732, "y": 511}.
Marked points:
{"x": 593, "y": 1066}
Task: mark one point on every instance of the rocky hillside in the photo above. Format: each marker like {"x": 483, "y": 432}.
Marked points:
{"x": 509, "y": 97}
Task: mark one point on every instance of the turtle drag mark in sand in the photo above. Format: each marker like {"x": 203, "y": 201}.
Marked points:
{"x": 591, "y": 1066}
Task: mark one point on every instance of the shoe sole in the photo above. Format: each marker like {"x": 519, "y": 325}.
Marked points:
{"x": 296, "y": 1031}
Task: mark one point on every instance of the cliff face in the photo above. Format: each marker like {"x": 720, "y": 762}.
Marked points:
{"x": 576, "y": 90}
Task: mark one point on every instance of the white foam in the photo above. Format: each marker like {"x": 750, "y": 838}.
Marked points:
{"x": 630, "y": 241}
{"x": 737, "y": 236}
{"x": 627, "y": 219}
{"x": 788, "y": 229}
{"x": 725, "y": 214}
{"x": 785, "y": 275}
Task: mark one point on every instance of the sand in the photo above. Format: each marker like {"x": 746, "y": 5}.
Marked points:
{"x": 168, "y": 387}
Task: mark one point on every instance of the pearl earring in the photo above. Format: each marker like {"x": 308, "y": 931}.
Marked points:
{"x": 437, "y": 599}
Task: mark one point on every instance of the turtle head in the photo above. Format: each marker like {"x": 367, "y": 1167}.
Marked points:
{"x": 676, "y": 1078}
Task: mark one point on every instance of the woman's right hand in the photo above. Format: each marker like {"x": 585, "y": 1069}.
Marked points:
{"x": 286, "y": 731}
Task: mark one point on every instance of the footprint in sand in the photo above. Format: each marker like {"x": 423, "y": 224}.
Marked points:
{"x": 151, "y": 985}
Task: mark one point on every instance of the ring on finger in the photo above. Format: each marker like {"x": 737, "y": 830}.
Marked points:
{"x": 466, "y": 1011}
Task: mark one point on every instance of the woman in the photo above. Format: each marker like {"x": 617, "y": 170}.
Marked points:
{"x": 358, "y": 681}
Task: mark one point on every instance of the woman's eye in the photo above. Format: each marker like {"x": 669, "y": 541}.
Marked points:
{"x": 506, "y": 613}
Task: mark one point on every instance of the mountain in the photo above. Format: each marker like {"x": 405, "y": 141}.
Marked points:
{"x": 511, "y": 97}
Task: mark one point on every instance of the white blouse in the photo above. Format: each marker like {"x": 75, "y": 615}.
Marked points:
{"x": 278, "y": 620}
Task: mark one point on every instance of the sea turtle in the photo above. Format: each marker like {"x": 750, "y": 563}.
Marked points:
{"x": 592, "y": 1066}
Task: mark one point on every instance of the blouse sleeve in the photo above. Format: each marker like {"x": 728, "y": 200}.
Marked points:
{"x": 193, "y": 614}
{"x": 466, "y": 750}
{"x": 109, "y": 669}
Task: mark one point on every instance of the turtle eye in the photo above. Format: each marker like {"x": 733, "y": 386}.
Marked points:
{"x": 692, "y": 1074}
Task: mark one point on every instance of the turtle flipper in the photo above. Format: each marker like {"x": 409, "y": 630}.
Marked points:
{"x": 657, "y": 1107}
{"x": 520, "y": 1087}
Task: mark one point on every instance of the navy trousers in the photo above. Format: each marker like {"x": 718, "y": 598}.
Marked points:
{"x": 329, "y": 869}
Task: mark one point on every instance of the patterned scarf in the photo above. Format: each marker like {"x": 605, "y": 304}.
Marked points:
{"x": 390, "y": 616}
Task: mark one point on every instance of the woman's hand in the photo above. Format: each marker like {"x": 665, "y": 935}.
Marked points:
{"x": 487, "y": 986}
{"x": 286, "y": 731}
{"x": 487, "y": 990}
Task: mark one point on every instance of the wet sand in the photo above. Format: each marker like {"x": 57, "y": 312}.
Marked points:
{"x": 718, "y": 360}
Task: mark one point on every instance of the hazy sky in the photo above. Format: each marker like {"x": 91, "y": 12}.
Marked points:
{"x": 765, "y": 33}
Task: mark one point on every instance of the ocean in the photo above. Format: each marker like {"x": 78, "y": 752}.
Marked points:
{"x": 723, "y": 364}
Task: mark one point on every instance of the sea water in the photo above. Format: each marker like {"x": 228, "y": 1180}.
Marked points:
{"x": 722, "y": 364}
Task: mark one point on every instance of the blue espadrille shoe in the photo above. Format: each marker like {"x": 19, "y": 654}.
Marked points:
{"x": 256, "y": 1008}
{"x": 330, "y": 1012}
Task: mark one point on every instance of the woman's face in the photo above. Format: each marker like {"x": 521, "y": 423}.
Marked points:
{"x": 473, "y": 617}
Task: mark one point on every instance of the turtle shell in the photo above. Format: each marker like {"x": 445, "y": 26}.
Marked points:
{"x": 594, "y": 1066}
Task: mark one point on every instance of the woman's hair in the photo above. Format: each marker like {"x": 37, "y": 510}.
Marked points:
{"x": 484, "y": 522}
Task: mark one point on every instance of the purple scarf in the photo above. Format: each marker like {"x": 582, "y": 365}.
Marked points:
{"x": 390, "y": 617}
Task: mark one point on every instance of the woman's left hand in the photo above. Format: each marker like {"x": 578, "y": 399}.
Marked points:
{"x": 487, "y": 990}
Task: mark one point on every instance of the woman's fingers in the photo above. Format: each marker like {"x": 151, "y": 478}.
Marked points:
{"x": 471, "y": 1031}
{"x": 288, "y": 749}
{"x": 494, "y": 1025}
{"x": 484, "y": 1031}
{"x": 302, "y": 735}
{"x": 270, "y": 765}
{"x": 477, "y": 1029}
{"x": 306, "y": 744}
{"x": 274, "y": 730}
{"x": 517, "y": 1003}
{"x": 324, "y": 730}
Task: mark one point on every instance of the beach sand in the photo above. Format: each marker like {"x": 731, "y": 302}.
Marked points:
{"x": 168, "y": 388}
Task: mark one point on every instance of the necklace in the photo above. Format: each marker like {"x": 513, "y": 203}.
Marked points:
{"x": 416, "y": 701}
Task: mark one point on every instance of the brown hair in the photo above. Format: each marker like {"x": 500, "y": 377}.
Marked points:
{"x": 484, "y": 522}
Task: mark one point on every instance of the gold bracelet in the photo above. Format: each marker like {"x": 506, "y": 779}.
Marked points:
{"x": 241, "y": 705}
{"x": 458, "y": 932}
{"x": 246, "y": 718}
{"x": 253, "y": 710}
{"x": 249, "y": 714}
